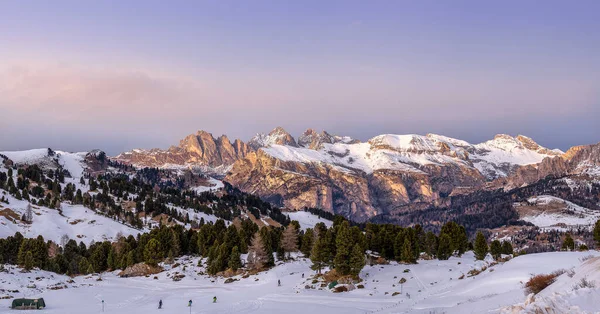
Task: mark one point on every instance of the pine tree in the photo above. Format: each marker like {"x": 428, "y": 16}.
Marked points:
{"x": 480, "y": 247}
{"x": 357, "y": 260}
{"x": 496, "y": 249}
{"x": 28, "y": 261}
{"x": 344, "y": 244}
{"x": 267, "y": 240}
{"x": 320, "y": 253}
{"x": 597, "y": 233}
{"x": 399, "y": 245}
{"x": 152, "y": 254}
{"x": 289, "y": 241}
{"x": 234, "y": 259}
{"x": 84, "y": 266}
{"x": 307, "y": 242}
{"x": 430, "y": 244}
{"x": 507, "y": 248}
{"x": 568, "y": 243}
{"x": 407, "y": 253}
{"x": 110, "y": 261}
{"x": 444, "y": 247}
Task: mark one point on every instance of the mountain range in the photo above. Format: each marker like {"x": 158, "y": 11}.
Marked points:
{"x": 388, "y": 173}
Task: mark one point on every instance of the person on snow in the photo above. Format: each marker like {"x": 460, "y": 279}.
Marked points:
{"x": 190, "y": 303}
{"x": 160, "y": 304}
{"x": 214, "y": 299}
{"x": 278, "y": 282}
{"x": 303, "y": 275}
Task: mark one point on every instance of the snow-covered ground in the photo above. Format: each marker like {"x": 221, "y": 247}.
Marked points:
{"x": 214, "y": 185}
{"x": 308, "y": 220}
{"x": 430, "y": 287}
{"x": 77, "y": 222}
{"x": 549, "y": 212}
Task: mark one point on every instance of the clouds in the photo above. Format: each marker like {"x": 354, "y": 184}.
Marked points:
{"x": 118, "y": 108}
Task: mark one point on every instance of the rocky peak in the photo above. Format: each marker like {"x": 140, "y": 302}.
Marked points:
{"x": 277, "y": 136}
{"x": 313, "y": 140}
{"x": 530, "y": 144}
{"x": 199, "y": 149}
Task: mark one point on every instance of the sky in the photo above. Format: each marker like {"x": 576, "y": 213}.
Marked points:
{"x": 117, "y": 75}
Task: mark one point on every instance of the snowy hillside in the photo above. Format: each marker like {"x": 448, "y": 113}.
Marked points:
{"x": 430, "y": 287}
{"x": 308, "y": 220}
{"x": 492, "y": 159}
{"x": 75, "y": 221}
{"x": 575, "y": 291}
{"x": 72, "y": 162}
{"x": 549, "y": 212}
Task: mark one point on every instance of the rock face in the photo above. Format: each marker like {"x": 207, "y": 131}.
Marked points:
{"x": 577, "y": 161}
{"x": 198, "y": 150}
{"x": 278, "y": 136}
{"x": 388, "y": 174}
{"x": 385, "y": 175}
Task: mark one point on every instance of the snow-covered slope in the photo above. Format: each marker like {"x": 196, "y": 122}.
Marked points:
{"x": 575, "y": 291}
{"x": 492, "y": 159}
{"x": 430, "y": 287}
{"x": 75, "y": 221}
{"x": 308, "y": 220}
{"x": 551, "y": 212}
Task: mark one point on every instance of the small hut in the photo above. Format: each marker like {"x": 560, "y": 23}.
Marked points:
{"x": 28, "y": 304}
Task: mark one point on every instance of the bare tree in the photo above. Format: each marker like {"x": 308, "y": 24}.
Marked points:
{"x": 64, "y": 240}
{"x": 289, "y": 240}
{"x": 28, "y": 216}
{"x": 257, "y": 255}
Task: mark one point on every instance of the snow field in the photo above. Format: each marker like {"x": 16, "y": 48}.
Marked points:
{"x": 433, "y": 287}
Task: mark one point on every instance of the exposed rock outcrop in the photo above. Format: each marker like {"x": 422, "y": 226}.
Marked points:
{"x": 198, "y": 150}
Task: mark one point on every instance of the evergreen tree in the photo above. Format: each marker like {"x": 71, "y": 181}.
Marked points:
{"x": 430, "y": 244}
{"x": 267, "y": 240}
{"x": 597, "y": 233}
{"x": 507, "y": 248}
{"x": 28, "y": 261}
{"x": 320, "y": 253}
{"x": 234, "y": 259}
{"x": 480, "y": 247}
{"x": 111, "y": 260}
{"x": 399, "y": 245}
{"x": 407, "y": 253}
{"x": 152, "y": 253}
{"x": 344, "y": 244}
{"x": 568, "y": 243}
{"x": 307, "y": 242}
{"x": 496, "y": 249}
{"x": 357, "y": 260}
{"x": 444, "y": 247}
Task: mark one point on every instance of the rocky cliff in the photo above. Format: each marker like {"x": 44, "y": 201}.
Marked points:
{"x": 195, "y": 150}
{"x": 387, "y": 174}
{"x": 579, "y": 162}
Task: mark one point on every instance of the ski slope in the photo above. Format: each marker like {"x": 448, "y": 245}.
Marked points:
{"x": 308, "y": 220}
{"x": 431, "y": 287}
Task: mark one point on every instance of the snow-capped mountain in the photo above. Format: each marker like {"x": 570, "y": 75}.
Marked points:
{"x": 343, "y": 175}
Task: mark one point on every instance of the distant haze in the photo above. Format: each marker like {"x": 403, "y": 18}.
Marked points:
{"x": 78, "y": 75}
